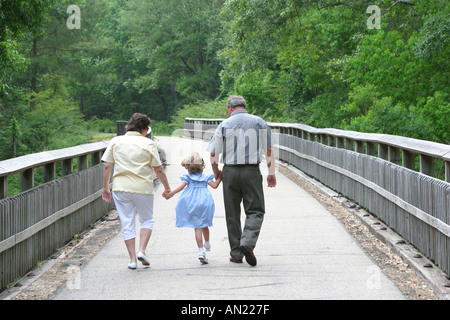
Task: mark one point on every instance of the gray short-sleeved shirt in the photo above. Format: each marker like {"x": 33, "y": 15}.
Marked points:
{"x": 240, "y": 139}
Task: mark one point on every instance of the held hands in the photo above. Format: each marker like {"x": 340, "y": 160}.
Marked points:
{"x": 167, "y": 194}
{"x": 218, "y": 174}
{"x": 106, "y": 194}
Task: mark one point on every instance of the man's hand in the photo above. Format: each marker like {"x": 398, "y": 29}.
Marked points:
{"x": 271, "y": 181}
{"x": 214, "y": 158}
{"x": 217, "y": 174}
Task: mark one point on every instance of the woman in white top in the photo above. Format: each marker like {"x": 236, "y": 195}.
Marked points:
{"x": 134, "y": 158}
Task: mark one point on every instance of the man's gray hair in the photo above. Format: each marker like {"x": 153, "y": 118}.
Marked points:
{"x": 236, "y": 101}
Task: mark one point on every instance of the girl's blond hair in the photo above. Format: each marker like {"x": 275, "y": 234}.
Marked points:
{"x": 194, "y": 163}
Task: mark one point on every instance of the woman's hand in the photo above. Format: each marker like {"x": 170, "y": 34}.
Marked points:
{"x": 106, "y": 195}
{"x": 167, "y": 194}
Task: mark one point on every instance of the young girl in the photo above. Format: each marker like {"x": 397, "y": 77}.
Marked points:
{"x": 195, "y": 207}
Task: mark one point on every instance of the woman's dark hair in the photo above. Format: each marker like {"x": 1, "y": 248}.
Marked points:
{"x": 138, "y": 122}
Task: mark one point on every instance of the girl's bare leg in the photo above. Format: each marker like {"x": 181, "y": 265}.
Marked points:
{"x": 199, "y": 237}
{"x": 206, "y": 233}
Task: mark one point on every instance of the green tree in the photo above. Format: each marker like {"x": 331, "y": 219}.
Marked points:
{"x": 436, "y": 114}
{"x": 385, "y": 116}
{"x": 177, "y": 42}
{"x": 328, "y": 69}
{"x": 17, "y": 17}
{"x": 55, "y": 122}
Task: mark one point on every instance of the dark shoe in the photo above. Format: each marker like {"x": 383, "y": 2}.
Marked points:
{"x": 235, "y": 260}
{"x": 249, "y": 256}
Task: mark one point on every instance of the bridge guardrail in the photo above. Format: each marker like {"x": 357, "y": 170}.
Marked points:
{"x": 41, "y": 219}
{"x": 377, "y": 171}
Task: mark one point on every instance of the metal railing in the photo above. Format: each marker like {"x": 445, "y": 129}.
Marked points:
{"x": 377, "y": 171}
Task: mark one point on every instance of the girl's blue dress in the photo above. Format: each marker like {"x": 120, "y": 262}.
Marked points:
{"x": 195, "y": 206}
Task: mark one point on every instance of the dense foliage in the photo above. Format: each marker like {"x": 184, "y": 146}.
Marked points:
{"x": 316, "y": 62}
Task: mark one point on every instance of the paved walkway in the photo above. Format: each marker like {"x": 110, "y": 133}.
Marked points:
{"x": 303, "y": 253}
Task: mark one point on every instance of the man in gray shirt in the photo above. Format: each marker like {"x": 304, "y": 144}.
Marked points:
{"x": 241, "y": 139}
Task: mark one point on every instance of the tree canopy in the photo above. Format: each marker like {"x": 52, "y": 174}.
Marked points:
{"x": 318, "y": 62}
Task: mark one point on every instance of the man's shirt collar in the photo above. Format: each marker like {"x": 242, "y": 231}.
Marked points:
{"x": 238, "y": 112}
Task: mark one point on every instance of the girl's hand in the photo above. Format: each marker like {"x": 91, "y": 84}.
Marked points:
{"x": 167, "y": 194}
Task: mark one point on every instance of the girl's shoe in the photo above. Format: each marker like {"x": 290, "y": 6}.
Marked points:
{"x": 207, "y": 246}
{"x": 132, "y": 265}
{"x": 202, "y": 257}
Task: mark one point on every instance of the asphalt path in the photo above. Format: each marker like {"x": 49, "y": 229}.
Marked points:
{"x": 303, "y": 252}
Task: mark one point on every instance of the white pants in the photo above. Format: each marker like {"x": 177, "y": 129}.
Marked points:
{"x": 126, "y": 203}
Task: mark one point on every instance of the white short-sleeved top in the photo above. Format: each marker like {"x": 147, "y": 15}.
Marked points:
{"x": 134, "y": 157}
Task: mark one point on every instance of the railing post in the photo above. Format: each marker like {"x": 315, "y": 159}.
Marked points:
{"x": 82, "y": 163}
{"x": 120, "y": 127}
{"x": 304, "y": 135}
{"x": 3, "y": 187}
{"x": 408, "y": 160}
{"x": 370, "y": 149}
{"x": 427, "y": 165}
{"x": 49, "y": 172}
{"x": 383, "y": 152}
{"x": 331, "y": 141}
{"x": 96, "y": 158}
{"x": 394, "y": 155}
{"x": 447, "y": 171}
{"x": 349, "y": 144}
{"x": 359, "y": 146}
{"x": 323, "y": 138}
{"x": 27, "y": 180}
{"x": 340, "y": 142}
{"x": 67, "y": 167}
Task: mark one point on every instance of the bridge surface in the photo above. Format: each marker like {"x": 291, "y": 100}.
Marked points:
{"x": 303, "y": 253}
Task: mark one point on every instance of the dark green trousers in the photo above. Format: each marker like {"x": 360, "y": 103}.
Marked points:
{"x": 243, "y": 183}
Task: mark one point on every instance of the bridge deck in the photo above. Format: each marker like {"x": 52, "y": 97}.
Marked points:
{"x": 303, "y": 253}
